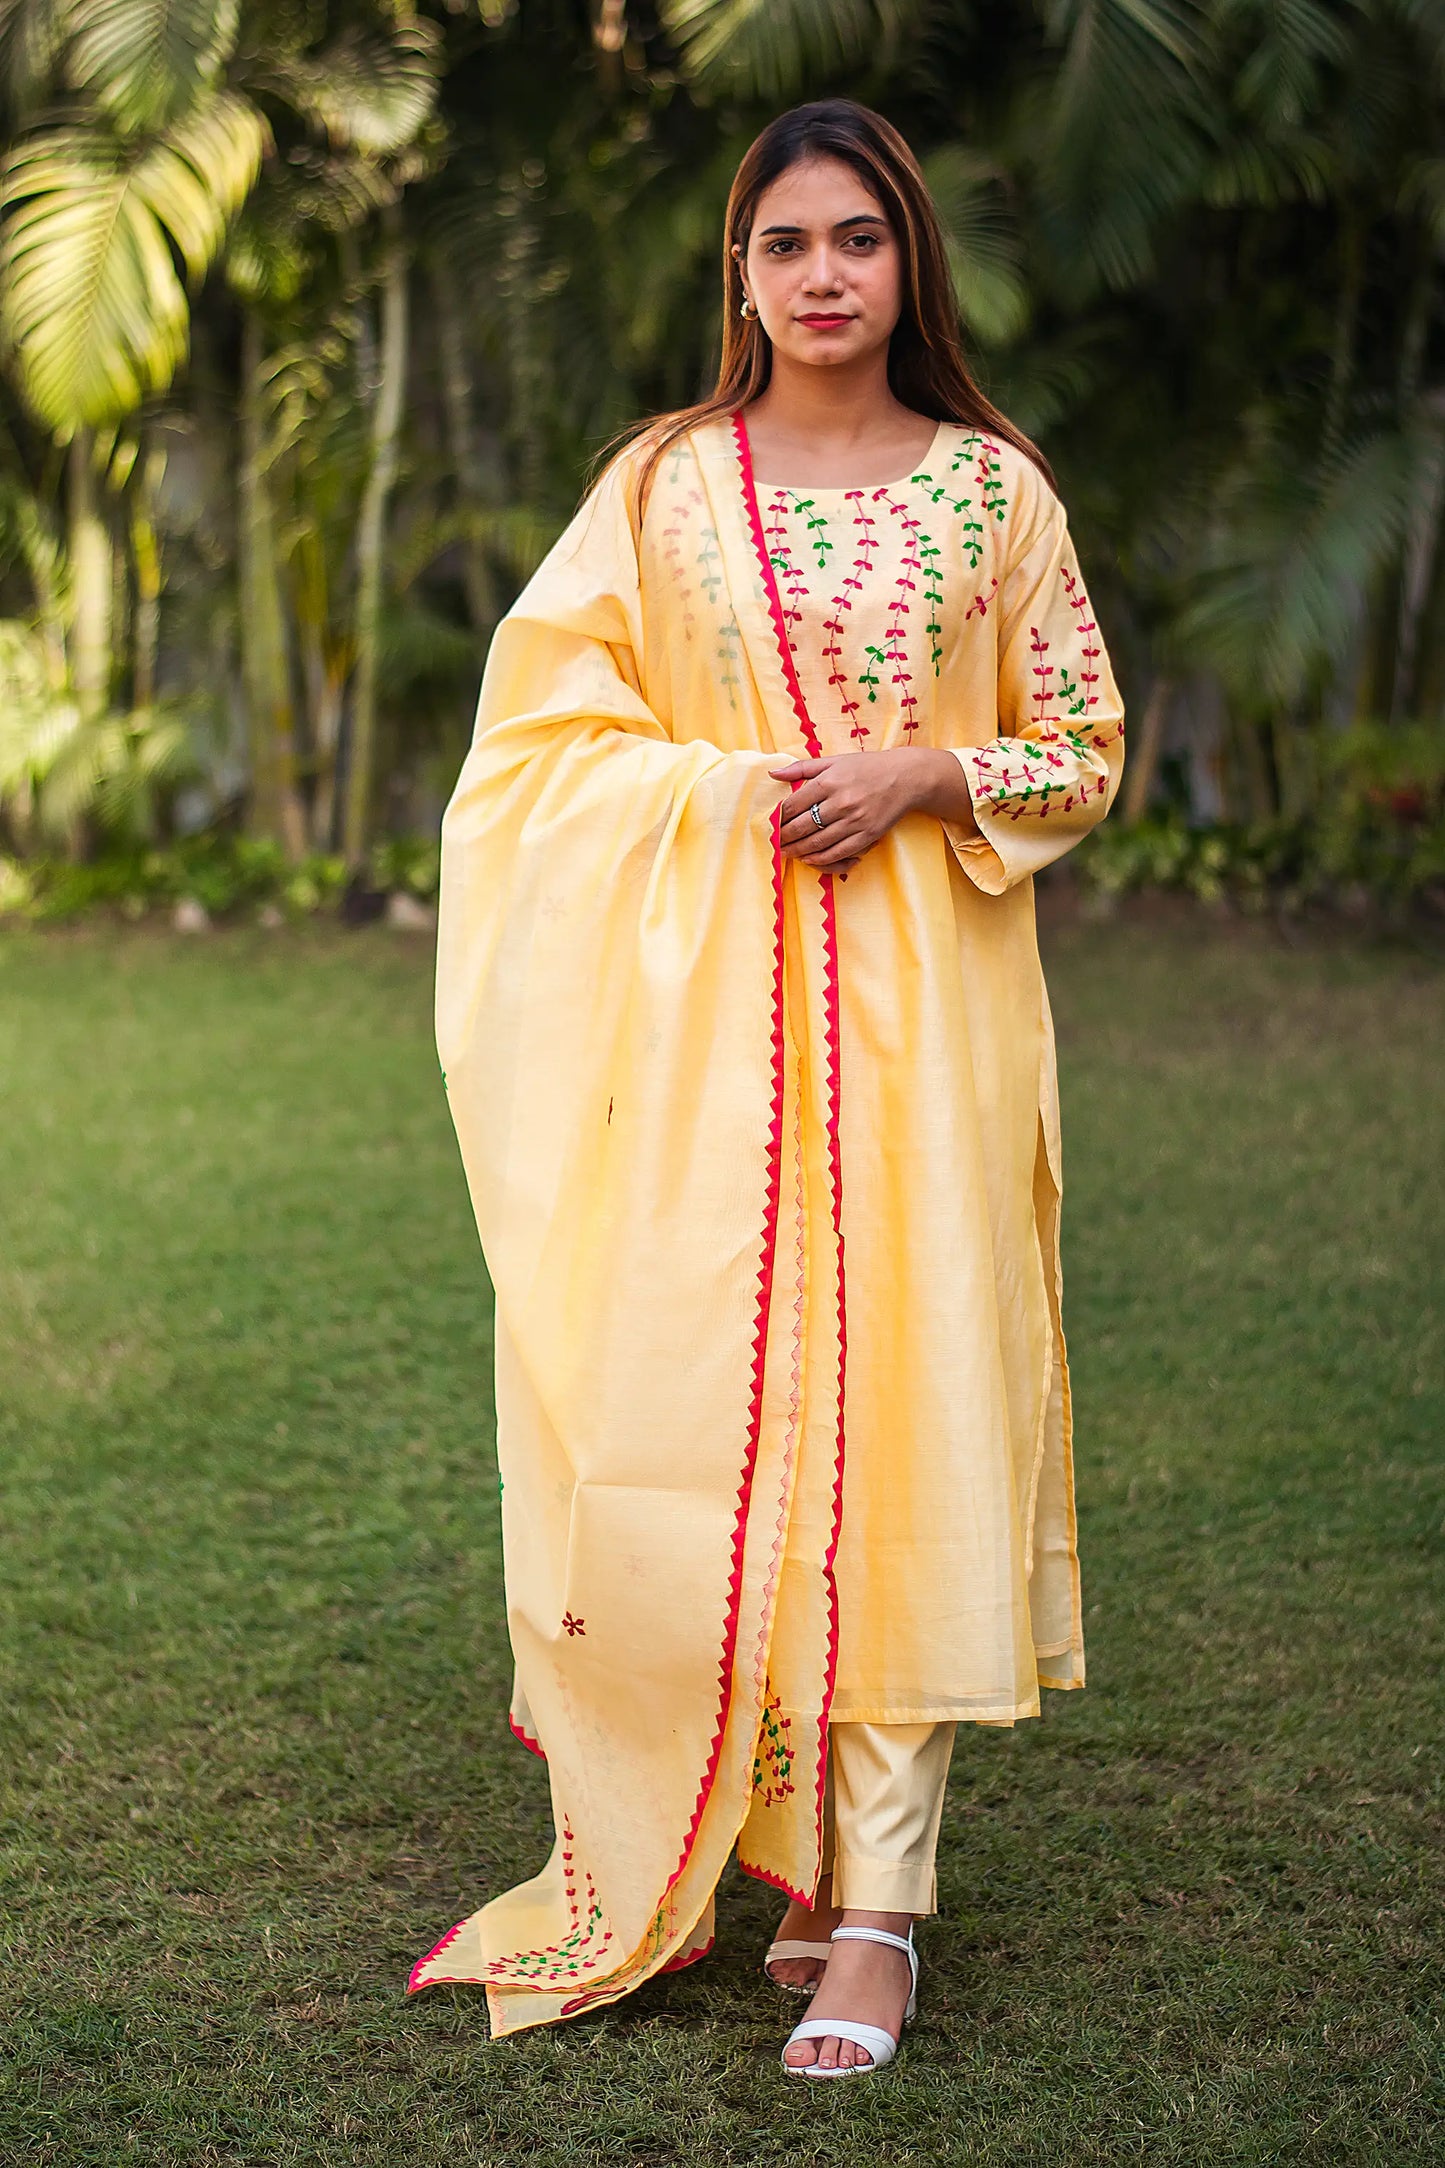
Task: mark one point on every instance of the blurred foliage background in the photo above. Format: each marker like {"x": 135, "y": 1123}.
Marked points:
{"x": 314, "y": 312}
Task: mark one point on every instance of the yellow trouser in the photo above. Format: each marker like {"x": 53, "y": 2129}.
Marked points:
{"x": 881, "y": 1811}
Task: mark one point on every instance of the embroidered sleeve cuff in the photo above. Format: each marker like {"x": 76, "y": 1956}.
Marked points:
{"x": 977, "y": 856}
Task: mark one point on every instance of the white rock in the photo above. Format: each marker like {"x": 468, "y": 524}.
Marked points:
{"x": 409, "y": 913}
{"x": 189, "y": 916}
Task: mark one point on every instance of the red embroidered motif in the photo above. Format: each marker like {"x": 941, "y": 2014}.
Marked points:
{"x": 773, "y": 1759}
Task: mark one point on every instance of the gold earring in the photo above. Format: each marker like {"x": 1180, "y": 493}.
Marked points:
{"x": 747, "y": 311}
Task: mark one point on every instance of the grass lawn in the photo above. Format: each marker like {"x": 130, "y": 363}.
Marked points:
{"x": 254, "y": 1757}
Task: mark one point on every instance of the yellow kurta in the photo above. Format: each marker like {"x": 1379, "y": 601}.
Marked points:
{"x": 765, "y": 1167}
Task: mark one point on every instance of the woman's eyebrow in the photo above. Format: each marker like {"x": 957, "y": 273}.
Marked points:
{"x": 859, "y": 218}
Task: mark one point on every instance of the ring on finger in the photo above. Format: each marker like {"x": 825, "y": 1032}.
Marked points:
{"x": 816, "y": 813}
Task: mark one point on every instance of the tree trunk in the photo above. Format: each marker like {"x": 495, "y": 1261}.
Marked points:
{"x": 1142, "y": 764}
{"x": 145, "y": 553}
{"x": 325, "y": 666}
{"x": 92, "y": 583}
{"x": 274, "y": 808}
{"x": 1423, "y": 535}
{"x": 386, "y": 416}
{"x": 461, "y": 444}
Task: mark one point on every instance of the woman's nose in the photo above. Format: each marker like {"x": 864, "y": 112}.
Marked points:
{"x": 820, "y": 273}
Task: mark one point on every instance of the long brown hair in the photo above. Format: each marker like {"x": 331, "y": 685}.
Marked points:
{"x": 927, "y": 367}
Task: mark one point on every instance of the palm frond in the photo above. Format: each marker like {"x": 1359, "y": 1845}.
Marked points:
{"x": 768, "y": 48}
{"x": 1254, "y": 171}
{"x": 37, "y": 720}
{"x": 983, "y": 245}
{"x": 92, "y": 311}
{"x": 32, "y": 40}
{"x": 368, "y": 93}
{"x": 1285, "y": 45}
{"x": 144, "y": 61}
{"x": 1292, "y": 562}
{"x": 1123, "y": 130}
{"x": 197, "y": 176}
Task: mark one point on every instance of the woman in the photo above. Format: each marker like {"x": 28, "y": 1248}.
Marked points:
{"x": 749, "y": 1055}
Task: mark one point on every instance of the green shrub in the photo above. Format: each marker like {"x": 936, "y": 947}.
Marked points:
{"x": 230, "y": 876}
{"x": 409, "y": 863}
{"x": 1377, "y": 836}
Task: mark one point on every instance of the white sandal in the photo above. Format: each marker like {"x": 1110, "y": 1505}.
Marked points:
{"x": 880, "y": 2045}
{"x": 788, "y": 1948}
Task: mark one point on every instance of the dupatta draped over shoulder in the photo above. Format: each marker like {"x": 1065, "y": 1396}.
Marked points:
{"x": 766, "y": 1171}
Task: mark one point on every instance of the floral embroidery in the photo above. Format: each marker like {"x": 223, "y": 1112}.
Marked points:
{"x": 970, "y": 539}
{"x": 894, "y": 651}
{"x": 1043, "y": 671}
{"x": 864, "y": 543}
{"x": 793, "y": 588}
{"x": 1089, "y": 643}
{"x": 886, "y": 661}
{"x": 773, "y": 1760}
{"x": 933, "y": 596}
{"x": 1055, "y": 768}
{"x": 988, "y": 465}
{"x": 580, "y": 1950}
{"x": 672, "y": 536}
{"x": 729, "y": 647}
{"x": 709, "y": 557}
{"x": 573, "y": 1625}
{"x": 817, "y": 529}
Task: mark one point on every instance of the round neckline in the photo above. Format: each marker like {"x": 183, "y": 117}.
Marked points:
{"x": 845, "y": 489}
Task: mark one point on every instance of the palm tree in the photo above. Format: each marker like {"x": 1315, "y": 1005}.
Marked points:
{"x": 166, "y": 114}
{"x": 143, "y": 170}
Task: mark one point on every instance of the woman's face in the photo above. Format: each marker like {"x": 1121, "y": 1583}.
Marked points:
{"x": 823, "y": 268}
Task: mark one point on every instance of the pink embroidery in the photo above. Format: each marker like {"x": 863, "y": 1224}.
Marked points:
{"x": 1042, "y": 671}
{"x": 986, "y": 473}
{"x": 893, "y": 651}
{"x": 780, "y": 553}
{"x": 672, "y": 537}
{"x": 1088, "y": 635}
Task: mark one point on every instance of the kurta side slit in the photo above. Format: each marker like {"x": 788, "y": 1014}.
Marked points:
{"x": 700, "y": 1092}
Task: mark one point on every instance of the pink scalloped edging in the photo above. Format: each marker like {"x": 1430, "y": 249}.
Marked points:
{"x": 835, "y": 1171}
{"x": 774, "y": 1881}
{"x": 414, "y": 1984}
{"x": 833, "y": 1038}
{"x": 689, "y": 1957}
{"x": 772, "y": 1198}
{"x": 533, "y": 1746}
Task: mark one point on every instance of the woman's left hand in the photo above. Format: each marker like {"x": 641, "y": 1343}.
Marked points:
{"x": 859, "y": 796}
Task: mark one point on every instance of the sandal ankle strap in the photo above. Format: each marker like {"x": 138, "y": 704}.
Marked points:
{"x": 876, "y": 1934}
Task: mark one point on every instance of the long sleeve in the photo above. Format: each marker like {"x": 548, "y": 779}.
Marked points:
{"x": 1051, "y": 773}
